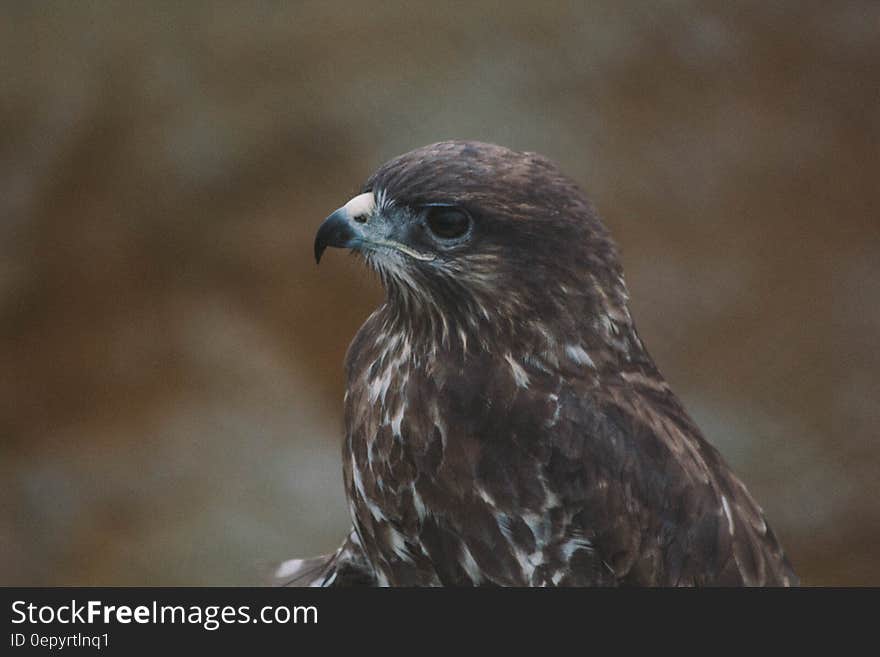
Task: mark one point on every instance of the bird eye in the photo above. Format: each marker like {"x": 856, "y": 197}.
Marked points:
{"x": 447, "y": 222}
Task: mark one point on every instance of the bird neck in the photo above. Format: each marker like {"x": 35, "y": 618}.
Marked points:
{"x": 588, "y": 327}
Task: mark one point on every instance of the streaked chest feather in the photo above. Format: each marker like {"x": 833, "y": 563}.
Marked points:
{"x": 436, "y": 496}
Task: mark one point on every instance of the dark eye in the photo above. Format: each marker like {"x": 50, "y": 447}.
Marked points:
{"x": 447, "y": 222}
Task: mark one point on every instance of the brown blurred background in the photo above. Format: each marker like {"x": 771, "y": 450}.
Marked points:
{"x": 170, "y": 356}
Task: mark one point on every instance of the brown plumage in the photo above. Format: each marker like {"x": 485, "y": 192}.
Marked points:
{"x": 504, "y": 423}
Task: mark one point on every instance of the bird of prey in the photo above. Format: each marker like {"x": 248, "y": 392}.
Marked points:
{"x": 504, "y": 423}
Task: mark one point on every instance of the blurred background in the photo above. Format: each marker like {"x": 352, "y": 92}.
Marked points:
{"x": 171, "y": 358}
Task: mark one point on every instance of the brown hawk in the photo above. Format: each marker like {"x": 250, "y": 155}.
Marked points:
{"x": 504, "y": 423}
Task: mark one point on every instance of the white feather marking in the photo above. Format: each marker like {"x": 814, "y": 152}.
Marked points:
{"x": 527, "y": 562}
{"x": 575, "y": 544}
{"x": 579, "y": 355}
{"x": 376, "y": 511}
{"x": 288, "y": 568}
{"x": 383, "y": 200}
{"x": 398, "y": 544}
{"x": 504, "y": 523}
{"x": 470, "y": 565}
{"x": 485, "y": 497}
{"x": 379, "y": 386}
{"x": 418, "y": 504}
{"x": 726, "y": 507}
{"x": 397, "y": 420}
{"x": 556, "y": 411}
{"x": 539, "y": 525}
{"x": 358, "y": 482}
{"x": 373, "y": 390}
{"x": 519, "y": 374}
{"x": 551, "y": 500}
{"x": 762, "y": 528}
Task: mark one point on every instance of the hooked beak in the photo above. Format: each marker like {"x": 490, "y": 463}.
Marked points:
{"x": 355, "y": 226}
{"x": 335, "y": 231}
{"x": 341, "y": 229}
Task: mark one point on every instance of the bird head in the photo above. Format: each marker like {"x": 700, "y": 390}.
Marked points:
{"x": 481, "y": 234}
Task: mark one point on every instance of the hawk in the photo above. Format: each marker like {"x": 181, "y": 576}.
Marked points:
{"x": 504, "y": 423}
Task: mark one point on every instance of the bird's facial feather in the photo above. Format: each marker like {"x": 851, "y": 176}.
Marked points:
{"x": 365, "y": 225}
{"x": 469, "y": 231}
